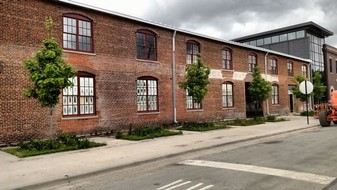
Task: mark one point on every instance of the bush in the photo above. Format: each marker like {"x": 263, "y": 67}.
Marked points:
{"x": 247, "y": 122}
{"x": 142, "y": 133}
{"x": 63, "y": 142}
{"x": 310, "y": 113}
{"x": 205, "y": 126}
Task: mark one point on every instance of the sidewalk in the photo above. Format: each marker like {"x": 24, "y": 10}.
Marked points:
{"x": 20, "y": 172}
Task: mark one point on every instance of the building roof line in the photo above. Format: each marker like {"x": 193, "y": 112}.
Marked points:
{"x": 154, "y": 23}
{"x": 306, "y": 25}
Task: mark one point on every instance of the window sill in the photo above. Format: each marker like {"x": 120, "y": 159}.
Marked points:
{"x": 228, "y": 108}
{"x": 195, "y": 110}
{"x": 275, "y": 105}
{"x": 228, "y": 70}
{"x": 78, "y": 52}
{"x": 147, "y": 61}
{"x": 148, "y": 113}
{"x": 80, "y": 118}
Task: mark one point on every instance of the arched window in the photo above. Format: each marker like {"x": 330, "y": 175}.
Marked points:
{"x": 227, "y": 95}
{"x": 275, "y": 94}
{"x": 191, "y": 104}
{"x": 304, "y": 71}
{"x": 79, "y": 100}
{"x": 252, "y": 61}
{"x": 227, "y": 59}
{"x": 77, "y": 33}
{"x": 273, "y": 66}
{"x": 146, "y": 45}
{"x": 192, "y": 49}
{"x": 147, "y": 94}
{"x": 290, "y": 67}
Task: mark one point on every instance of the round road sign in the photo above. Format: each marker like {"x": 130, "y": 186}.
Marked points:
{"x": 306, "y": 87}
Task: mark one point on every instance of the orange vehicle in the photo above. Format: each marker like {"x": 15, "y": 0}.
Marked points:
{"x": 330, "y": 114}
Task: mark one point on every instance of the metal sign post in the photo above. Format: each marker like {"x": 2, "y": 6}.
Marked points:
{"x": 306, "y": 87}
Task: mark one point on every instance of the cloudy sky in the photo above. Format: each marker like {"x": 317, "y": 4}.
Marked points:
{"x": 228, "y": 19}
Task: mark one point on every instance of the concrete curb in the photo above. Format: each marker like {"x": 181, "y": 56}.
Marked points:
{"x": 67, "y": 179}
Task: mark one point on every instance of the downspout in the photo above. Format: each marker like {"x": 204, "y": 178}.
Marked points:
{"x": 174, "y": 77}
{"x": 265, "y": 77}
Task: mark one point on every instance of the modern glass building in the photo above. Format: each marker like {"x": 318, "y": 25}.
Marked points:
{"x": 303, "y": 40}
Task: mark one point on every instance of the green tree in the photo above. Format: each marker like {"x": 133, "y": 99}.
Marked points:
{"x": 259, "y": 88}
{"x": 319, "y": 88}
{"x": 49, "y": 74}
{"x": 196, "y": 80}
{"x": 296, "y": 90}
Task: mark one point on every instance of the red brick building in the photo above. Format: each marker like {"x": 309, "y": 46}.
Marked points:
{"x": 128, "y": 72}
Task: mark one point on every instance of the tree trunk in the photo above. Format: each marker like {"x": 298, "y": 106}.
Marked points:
{"x": 51, "y": 123}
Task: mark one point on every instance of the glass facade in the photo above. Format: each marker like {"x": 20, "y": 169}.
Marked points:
{"x": 277, "y": 38}
{"x": 316, "y": 45}
{"x": 316, "y": 52}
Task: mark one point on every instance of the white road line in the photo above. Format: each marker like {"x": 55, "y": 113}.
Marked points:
{"x": 314, "y": 178}
{"x": 207, "y": 187}
{"x": 187, "y": 182}
{"x": 168, "y": 185}
{"x": 197, "y": 185}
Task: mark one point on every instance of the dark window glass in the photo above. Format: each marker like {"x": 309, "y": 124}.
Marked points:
{"x": 290, "y": 69}
{"x": 275, "y": 94}
{"x": 227, "y": 95}
{"x": 273, "y": 66}
{"x": 146, "y": 45}
{"x": 77, "y": 33}
{"x": 227, "y": 59}
{"x": 192, "y": 49}
{"x": 252, "y": 62}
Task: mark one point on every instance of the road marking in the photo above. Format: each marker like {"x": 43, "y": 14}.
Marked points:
{"x": 168, "y": 185}
{"x": 314, "y": 178}
{"x": 180, "y": 183}
{"x": 207, "y": 187}
{"x": 197, "y": 185}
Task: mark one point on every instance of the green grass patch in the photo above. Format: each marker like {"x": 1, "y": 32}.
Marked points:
{"x": 143, "y": 133}
{"x": 64, "y": 142}
{"x": 195, "y": 126}
{"x": 246, "y": 122}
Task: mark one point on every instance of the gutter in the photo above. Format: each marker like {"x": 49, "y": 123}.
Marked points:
{"x": 265, "y": 77}
{"x": 174, "y": 98}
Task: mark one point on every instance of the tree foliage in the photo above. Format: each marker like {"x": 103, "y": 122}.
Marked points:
{"x": 49, "y": 73}
{"x": 259, "y": 88}
{"x": 296, "y": 90}
{"x": 319, "y": 88}
{"x": 196, "y": 80}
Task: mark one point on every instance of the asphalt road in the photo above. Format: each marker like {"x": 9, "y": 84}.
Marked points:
{"x": 302, "y": 160}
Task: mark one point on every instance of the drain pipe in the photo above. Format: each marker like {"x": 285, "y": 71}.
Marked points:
{"x": 265, "y": 77}
{"x": 174, "y": 77}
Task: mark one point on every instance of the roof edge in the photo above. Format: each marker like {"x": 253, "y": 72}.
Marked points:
{"x": 150, "y": 22}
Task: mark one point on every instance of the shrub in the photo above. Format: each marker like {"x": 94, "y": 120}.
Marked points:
{"x": 310, "y": 113}
{"x": 142, "y": 133}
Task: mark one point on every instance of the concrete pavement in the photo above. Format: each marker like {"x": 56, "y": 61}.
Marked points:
{"x": 26, "y": 172}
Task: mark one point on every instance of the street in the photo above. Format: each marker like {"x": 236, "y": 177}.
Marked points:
{"x": 301, "y": 160}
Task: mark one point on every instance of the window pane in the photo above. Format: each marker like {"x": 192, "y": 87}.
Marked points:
{"x": 300, "y": 34}
{"x": 259, "y": 42}
{"x": 291, "y": 36}
{"x": 283, "y": 37}
{"x": 267, "y": 40}
{"x": 275, "y": 39}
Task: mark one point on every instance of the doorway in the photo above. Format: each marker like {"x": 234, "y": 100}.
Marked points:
{"x": 253, "y": 108}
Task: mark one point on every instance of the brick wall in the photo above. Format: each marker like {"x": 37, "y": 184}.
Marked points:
{"x": 116, "y": 70}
